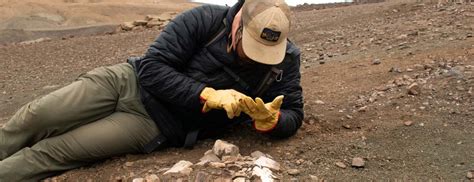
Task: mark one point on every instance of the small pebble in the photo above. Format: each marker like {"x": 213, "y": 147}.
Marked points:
{"x": 293, "y": 172}
{"x": 341, "y": 165}
{"x": 376, "y": 62}
{"x": 358, "y": 162}
{"x": 470, "y": 175}
{"x": 408, "y": 123}
{"x": 129, "y": 164}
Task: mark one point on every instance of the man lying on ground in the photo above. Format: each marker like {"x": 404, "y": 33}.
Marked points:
{"x": 205, "y": 69}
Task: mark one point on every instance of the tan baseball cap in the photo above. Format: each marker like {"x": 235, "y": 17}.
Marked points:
{"x": 266, "y": 24}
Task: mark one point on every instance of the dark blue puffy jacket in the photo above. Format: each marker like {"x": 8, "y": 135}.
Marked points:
{"x": 178, "y": 65}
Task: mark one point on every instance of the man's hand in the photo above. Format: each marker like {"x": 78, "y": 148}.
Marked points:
{"x": 222, "y": 99}
{"x": 265, "y": 116}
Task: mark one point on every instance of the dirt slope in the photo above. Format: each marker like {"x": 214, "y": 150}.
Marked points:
{"x": 30, "y": 14}
{"x": 358, "y": 62}
{"x": 30, "y": 19}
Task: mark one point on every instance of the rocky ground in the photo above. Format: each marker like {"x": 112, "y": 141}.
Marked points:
{"x": 388, "y": 96}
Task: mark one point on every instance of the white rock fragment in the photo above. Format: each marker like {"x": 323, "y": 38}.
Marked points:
{"x": 138, "y": 180}
{"x": 264, "y": 173}
{"x": 223, "y": 148}
{"x": 267, "y": 162}
{"x": 320, "y": 102}
{"x": 182, "y": 167}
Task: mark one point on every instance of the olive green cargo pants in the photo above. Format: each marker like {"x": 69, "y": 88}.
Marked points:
{"x": 97, "y": 116}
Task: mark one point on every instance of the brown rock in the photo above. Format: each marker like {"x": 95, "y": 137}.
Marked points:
{"x": 358, "y": 162}
{"x": 470, "y": 175}
{"x": 203, "y": 176}
{"x": 362, "y": 109}
{"x": 341, "y": 165}
{"x": 138, "y": 28}
{"x": 223, "y": 179}
{"x": 314, "y": 178}
{"x": 414, "y": 89}
{"x": 209, "y": 157}
{"x": 217, "y": 165}
{"x": 127, "y": 26}
{"x": 346, "y": 126}
{"x": 408, "y": 123}
{"x": 153, "y": 23}
{"x": 182, "y": 167}
{"x": 166, "y": 16}
{"x": 293, "y": 172}
{"x": 152, "y": 178}
{"x": 376, "y": 62}
{"x": 151, "y": 17}
{"x": 129, "y": 164}
{"x": 230, "y": 158}
{"x": 140, "y": 22}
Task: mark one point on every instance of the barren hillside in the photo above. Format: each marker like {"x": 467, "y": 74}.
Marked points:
{"x": 29, "y": 19}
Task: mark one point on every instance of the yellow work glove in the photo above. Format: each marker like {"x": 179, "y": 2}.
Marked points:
{"x": 265, "y": 116}
{"x": 227, "y": 100}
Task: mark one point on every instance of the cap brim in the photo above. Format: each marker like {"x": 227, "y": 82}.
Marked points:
{"x": 262, "y": 53}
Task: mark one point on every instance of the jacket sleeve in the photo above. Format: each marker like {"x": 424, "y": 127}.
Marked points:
{"x": 160, "y": 72}
{"x": 291, "y": 112}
